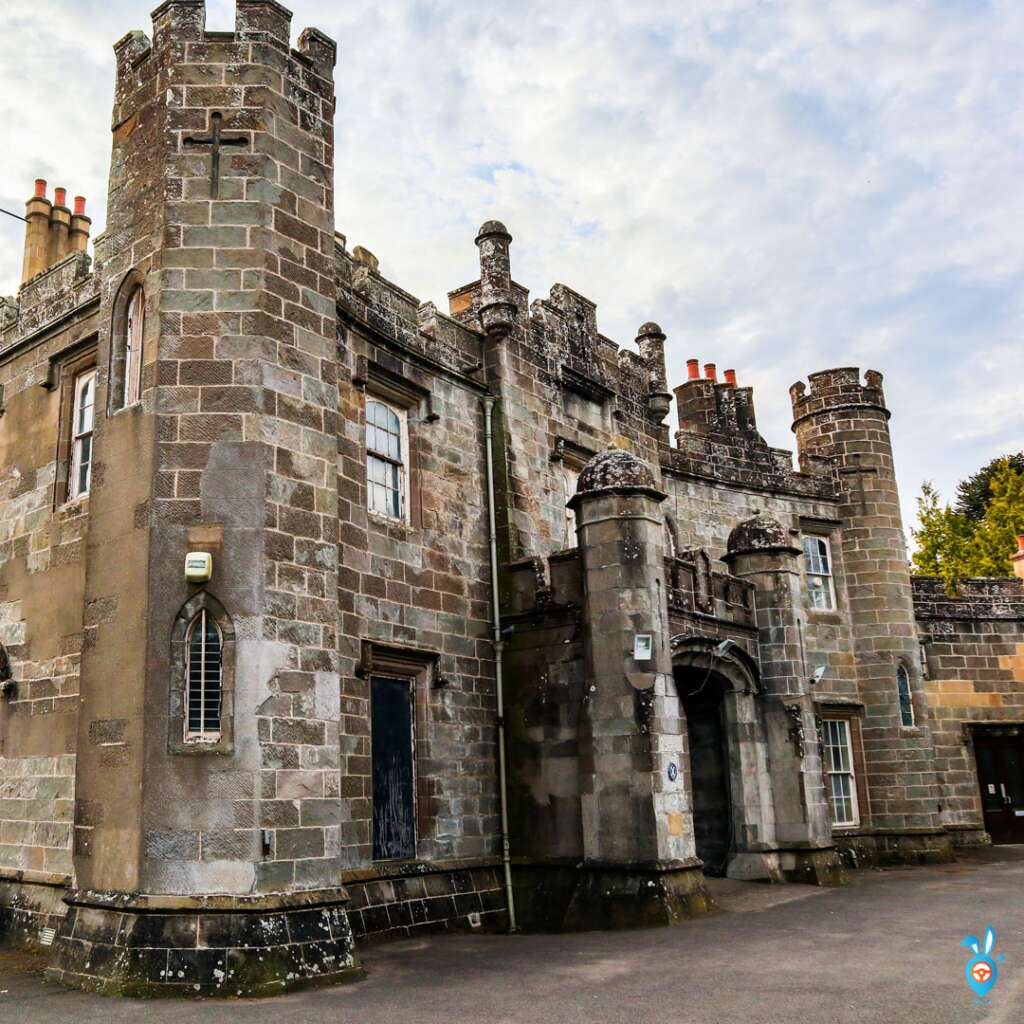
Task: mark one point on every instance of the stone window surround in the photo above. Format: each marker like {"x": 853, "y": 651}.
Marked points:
{"x": 820, "y": 531}
{"x": 422, "y": 669}
{"x": 853, "y": 715}
{"x": 64, "y": 371}
{"x": 913, "y": 725}
{"x": 401, "y": 463}
{"x": 415, "y": 401}
{"x": 176, "y": 741}
{"x": 569, "y": 458}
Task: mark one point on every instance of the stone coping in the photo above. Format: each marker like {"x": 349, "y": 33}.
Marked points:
{"x": 174, "y": 903}
{"x": 413, "y": 868}
{"x": 35, "y": 877}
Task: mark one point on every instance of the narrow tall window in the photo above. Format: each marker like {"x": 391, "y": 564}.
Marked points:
{"x": 81, "y": 434}
{"x": 133, "y": 348}
{"x": 570, "y": 477}
{"x": 839, "y": 771}
{"x": 203, "y": 679}
{"x": 818, "y": 567}
{"x": 907, "y": 717}
{"x": 386, "y": 447}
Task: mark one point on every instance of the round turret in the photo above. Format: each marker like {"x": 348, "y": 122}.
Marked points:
{"x": 614, "y": 468}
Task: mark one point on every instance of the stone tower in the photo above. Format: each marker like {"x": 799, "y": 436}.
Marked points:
{"x": 639, "y": 863}
{"x": 189, "y": 849}
{"x": 844, "y": 419}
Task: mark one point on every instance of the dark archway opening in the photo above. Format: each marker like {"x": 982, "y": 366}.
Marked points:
{"x": 701, "y": 694}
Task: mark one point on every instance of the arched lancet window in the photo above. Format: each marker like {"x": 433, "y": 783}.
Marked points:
{"x": 127, "y": 334}
{"x": 133, "y": 347}
{"x": 907, "y": 716}
{"x": 203, "y": 679}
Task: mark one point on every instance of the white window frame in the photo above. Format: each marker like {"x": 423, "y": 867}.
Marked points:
{"x": 903, "y": 673}
{"x": 135, "y": 318}
{"x": 401, "y": 463}
{"x": 816, "y": 574}
{"x": 202, "y": 734}
{"x": 82, "y": 435}
{"x": 845, "y": 770}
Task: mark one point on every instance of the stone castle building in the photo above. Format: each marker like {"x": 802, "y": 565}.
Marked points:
{"x": 311, "y": 593}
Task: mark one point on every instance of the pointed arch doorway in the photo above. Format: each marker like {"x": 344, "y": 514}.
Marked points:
{"x": 730, "y": 796}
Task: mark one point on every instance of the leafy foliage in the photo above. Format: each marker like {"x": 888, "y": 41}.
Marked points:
{"x": 952, "y": 544}
{"x": 974, "y": 493}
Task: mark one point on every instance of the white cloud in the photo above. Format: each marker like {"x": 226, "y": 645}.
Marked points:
{"x": 783, "y": 186}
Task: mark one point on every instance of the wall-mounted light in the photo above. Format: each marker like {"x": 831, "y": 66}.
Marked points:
{"x": 818, "y": 675}
{"x": 724, "y": 648}
{"x": 198, "y": 566}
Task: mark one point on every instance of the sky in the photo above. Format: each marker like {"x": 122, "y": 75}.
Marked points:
{"x": 783, "y": 186}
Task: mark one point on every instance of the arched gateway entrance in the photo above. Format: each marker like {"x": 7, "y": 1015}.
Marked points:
{"x": 730, "y": 794}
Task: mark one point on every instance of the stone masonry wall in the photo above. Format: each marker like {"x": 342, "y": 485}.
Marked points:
{"x": 41, "y": 579}
{"x": 421, "y": 586}
{"x": 974, "y": 651}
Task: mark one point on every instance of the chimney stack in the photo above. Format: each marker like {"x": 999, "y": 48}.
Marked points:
{"x": 79, "y": 235}
{"x": 1018, "y": 557}
{"x": 37, "y": 232}
{"x": 693, "y": 369}
{"x": 710, "y": 372}
{"x": 52, "y": 231}
{"x": 60, "y": 227}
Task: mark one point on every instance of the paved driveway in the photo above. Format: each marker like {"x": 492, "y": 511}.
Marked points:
{"x": 885, "y": 948}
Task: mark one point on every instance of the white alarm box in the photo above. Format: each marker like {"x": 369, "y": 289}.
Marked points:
{"x": 198, "y": 566}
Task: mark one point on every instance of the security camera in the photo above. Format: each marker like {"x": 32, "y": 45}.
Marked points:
{"x": 724, "y": 648}
{"x": 818, "y": 675}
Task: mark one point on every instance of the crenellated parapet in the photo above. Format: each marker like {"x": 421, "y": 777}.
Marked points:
{"x": 398, "y": 318}
{"x": 718, "y": 440}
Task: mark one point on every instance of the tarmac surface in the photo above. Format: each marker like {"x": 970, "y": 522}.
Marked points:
{"x": 884, "y": 948}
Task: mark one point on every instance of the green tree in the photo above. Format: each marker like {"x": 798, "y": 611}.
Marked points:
{"x": 952, "y": 544}
{"x": 974, "y": 493}
{"x": 995, "y": 538}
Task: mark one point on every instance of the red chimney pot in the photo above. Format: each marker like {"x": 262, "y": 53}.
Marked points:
{"x": 692, "y": 369}
{"x": 60, "y": 196}
{"x": 730, "y": 378}
{"x": 40, "y": 188}
{"x": 710, "y": 372}
{"x": 79, "y": 206}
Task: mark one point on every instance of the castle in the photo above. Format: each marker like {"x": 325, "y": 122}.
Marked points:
{"x": 328, "y": 616}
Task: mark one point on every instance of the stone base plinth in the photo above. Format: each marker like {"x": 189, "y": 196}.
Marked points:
{"x": 890, "y": 847}
{"x": 31, "y": 907}
{"x": 813, "y": 867}
{"x": 591, "y": 897}
{"x": 401, "y": 900}
{"x": 221, "y": 946}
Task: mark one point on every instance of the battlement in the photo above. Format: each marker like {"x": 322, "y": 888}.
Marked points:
{"x": 718, "y": 439}
{"x": 262, "y": 36}
{"x": 976, "y": 598}
{"x": 835, "y": 390}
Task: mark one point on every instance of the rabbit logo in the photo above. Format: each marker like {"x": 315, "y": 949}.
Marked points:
{"x": 981, "y": 970}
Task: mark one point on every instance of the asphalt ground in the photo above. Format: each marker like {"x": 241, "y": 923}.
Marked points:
{"x": 884, "y": 948}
